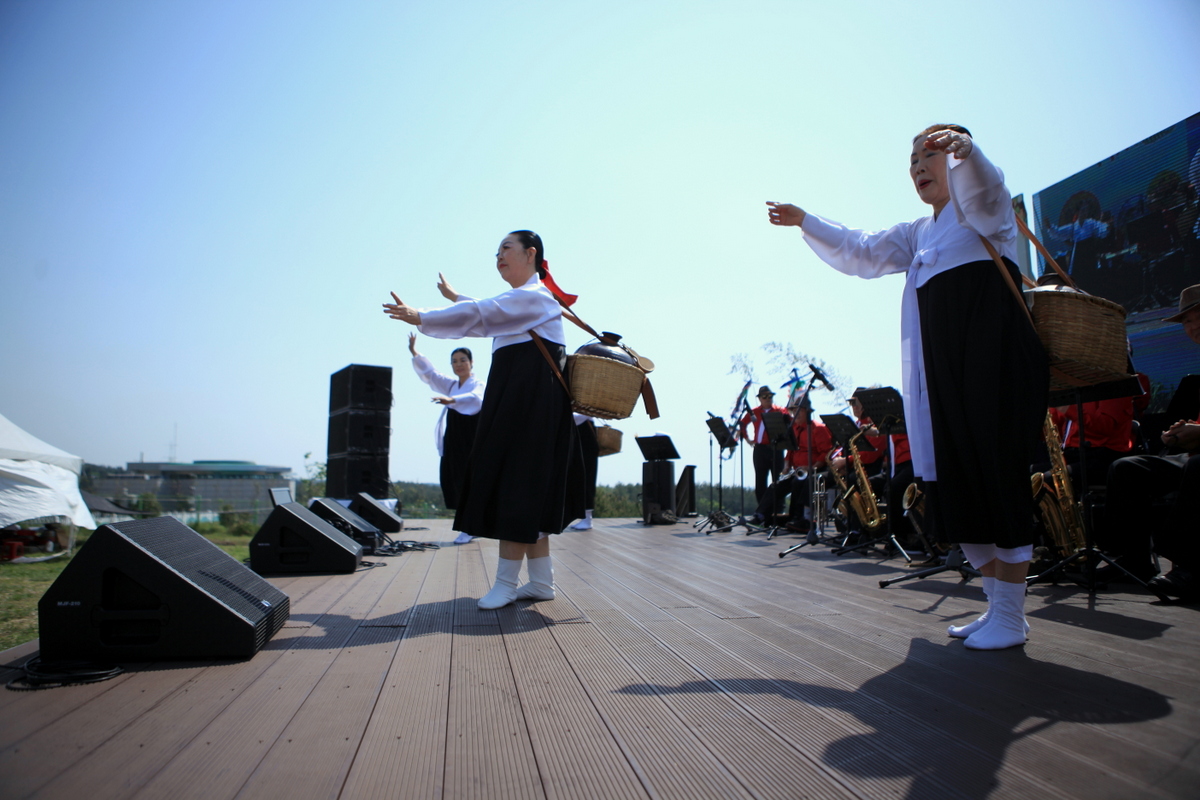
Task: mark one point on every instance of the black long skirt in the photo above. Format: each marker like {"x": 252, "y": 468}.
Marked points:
{"x": 589, "y": 449}
{"x": 988, "y": 382}
{"x": 457, "y": 442}
{"x": 516, "y": 483}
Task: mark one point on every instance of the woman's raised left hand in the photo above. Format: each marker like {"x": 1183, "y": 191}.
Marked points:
{"x": 951, "y": 142}
{"x": 401, "y": 312}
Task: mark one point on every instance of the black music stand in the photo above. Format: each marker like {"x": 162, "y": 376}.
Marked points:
{"x": 718, "y": 431}
{"x": 1108, "y": 390}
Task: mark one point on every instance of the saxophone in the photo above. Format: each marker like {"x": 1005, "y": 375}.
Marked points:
{"x": 1061, "y": 513}
{"x": 858, "y": 498}
{"x": 863, "y": 501}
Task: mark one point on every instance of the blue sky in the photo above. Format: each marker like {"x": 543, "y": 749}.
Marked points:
{"x": 202, "y": 205}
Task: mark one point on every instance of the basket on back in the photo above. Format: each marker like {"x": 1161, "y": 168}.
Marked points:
{"x": 609, "y": 439}
{"x": 1084, "y": 336}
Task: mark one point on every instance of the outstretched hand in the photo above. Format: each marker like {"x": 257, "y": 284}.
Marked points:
{"x": 785, "y": 214}
{"x": 412, "y": 345}
{"x": 951, "y": 142}
{"x": 401, "y": 312}
{"x": 446, "y": 289}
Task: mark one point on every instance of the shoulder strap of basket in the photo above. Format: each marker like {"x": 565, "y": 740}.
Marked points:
{"x": 550, "y": 360}
{"x": 1058, "y": 373}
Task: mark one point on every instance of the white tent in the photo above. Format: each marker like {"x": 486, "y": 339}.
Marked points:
{"x": 38, "y": 480}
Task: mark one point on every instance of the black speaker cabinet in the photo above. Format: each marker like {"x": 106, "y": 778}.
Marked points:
{"x": 348, "y": 523}
{"x": 658, "y": 491}
{"x": 355, "y": 430}
{"x": 294, "y": 539}
{"x": 347, "y": 475}
{"x": 685, "y": 493}
{"x": 154, "y": 589}
{"x": 376, "y": 513}
{"x": 361, "y": 386}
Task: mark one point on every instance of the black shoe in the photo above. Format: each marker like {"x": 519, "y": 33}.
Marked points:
{"x": 1143, "y": 571}
{"x": 1179, "y": 582}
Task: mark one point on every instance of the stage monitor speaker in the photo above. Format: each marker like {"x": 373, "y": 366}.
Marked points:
{"x": 685, "y": 493}
{"x": 347, "y": 475}
{"x": 658, "y": 492}
{"x": 376, "y": 513}
{"x": 355, "y": 430}
{"x": 154, "y": 589}
{"x": 349, "y": 523}
{"x": 361, "y": 386}
{"x": 294, "y": 539}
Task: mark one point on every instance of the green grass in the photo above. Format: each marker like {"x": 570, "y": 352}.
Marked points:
{"x": 22, "y": 585}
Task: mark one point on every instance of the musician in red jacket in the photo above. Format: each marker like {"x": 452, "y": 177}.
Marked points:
{"x": 768, "y": 455}
{"x": 797, "y": 459}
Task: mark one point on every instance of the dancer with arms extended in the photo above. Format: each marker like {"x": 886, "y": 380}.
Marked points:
{"x": 516, "y": 487}
{"x": 460, "y": 396}
{"x": 975, "y": 374}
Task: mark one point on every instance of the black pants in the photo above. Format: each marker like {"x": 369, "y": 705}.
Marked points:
{"x": 1133, "y": 484}
{"x": 768, "y": 465}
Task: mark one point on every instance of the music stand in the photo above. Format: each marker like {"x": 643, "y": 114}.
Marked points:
{"x": 1128, "y": 386}
{"x": 718, "y": 431}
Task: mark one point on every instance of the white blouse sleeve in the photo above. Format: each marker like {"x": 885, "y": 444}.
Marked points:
{"x": 437, "y": 381}
{"x": 469, "y": 398}
{"x": 981, "y": 200}
{"x": 513, "y": 312}
{"x": 861, "y": 253}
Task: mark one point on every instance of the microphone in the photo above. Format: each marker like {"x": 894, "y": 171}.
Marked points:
{"x": 818, "y": 375}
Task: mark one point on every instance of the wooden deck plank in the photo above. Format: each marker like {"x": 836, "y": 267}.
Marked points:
{"x": 578, "y": 757}
{"x": 671, "y": 665}
{"x": 402, "y": 753}
{"x": 313, "y": 754}
{"x": 243, "y": 733}
{"x": 671, "y": 761}
{"x": 133, "y": 755}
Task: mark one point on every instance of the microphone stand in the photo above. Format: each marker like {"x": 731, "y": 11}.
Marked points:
{"x": 742, "y": 407}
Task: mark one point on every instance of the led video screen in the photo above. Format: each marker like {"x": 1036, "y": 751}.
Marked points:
{"x": 1128, "y": 229}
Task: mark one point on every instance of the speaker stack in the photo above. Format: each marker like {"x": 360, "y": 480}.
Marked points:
{"x": 154, "y": 589}
{"x": 360, "y": 412}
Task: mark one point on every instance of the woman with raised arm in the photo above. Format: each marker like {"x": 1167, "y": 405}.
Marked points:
{"x": 515, "y": 488}
{"x": 460, "y": 396}
{"x": 975, "y": 374}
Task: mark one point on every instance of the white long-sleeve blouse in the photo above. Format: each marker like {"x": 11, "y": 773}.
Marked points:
{"x": 507, "y": 317}
{"x": 924, "y": 248}
{"x": 468, "y": 398}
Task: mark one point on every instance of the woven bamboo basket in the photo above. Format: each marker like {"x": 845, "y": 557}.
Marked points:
{"x": 1084, "y": 335}
{"x": 602, "y": 387}
{"x": 609, "y": 439}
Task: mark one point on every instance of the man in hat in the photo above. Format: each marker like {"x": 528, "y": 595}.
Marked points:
{"x": 768, "y": 455}
{"x": 1136, "y": 481}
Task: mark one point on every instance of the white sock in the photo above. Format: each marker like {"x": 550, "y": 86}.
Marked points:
{"x": 541, "y": 580}
{"x": 963, "y": 631}
{"x": 504, "y": 590}
{"x": 1006, "y": 625}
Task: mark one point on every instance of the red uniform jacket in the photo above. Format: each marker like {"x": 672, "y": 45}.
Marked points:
{"x": 822, "y": 443}
{"x": 755, "y": 415}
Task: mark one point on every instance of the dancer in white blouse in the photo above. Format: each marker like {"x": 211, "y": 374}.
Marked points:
{"x": 461, "y": 396}
{"x": 516, "y": 487}
{"x": 975, "y": 375}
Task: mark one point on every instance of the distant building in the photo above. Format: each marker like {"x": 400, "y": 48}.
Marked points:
{"x": 197, "y": 491}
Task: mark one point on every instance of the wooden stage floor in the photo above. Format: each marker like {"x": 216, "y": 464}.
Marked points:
{"x": 672, "y": 665}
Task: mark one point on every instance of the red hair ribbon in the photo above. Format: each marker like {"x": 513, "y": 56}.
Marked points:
{"x": 565, "y": 299}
